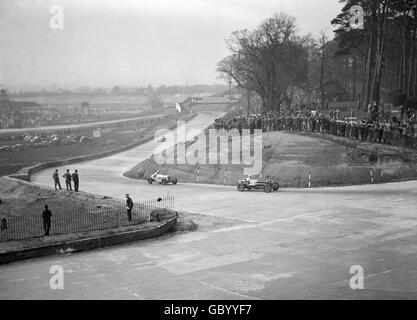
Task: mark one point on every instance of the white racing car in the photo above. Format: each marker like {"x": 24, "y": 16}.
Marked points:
{"x": 162, "y": 179}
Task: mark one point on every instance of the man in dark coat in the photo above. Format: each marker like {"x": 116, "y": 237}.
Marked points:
{"x": 129, "y": 207}
{"x": 67, "y": 177}
{"x": 55, "y": 177}
{"x": 76, "y": 180}
{"x": 46, "y": 217}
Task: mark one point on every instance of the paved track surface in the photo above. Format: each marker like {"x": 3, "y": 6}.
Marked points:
{"x": 290, "y": 244}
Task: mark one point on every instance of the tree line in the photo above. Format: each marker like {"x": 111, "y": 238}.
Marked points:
{"x": 385, "y": 49}
{"x": 374, "y": 63}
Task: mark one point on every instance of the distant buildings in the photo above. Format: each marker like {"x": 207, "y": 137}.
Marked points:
{"x": 85, "y": 108}
{"x": 14, "y": 114}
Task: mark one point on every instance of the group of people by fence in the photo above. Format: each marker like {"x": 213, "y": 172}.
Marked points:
{"x": 68, "y": 177}
{"x": 47, "y": 215}
{"x": 394, "y": 132}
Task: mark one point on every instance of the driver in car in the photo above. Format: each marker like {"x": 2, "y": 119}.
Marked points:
{"x": 155, "y": 174}
{"x": 250, "y": 181}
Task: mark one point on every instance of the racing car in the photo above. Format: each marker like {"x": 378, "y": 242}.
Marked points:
{"x": 162, "y": 179}
{"x": 252, "y": 184}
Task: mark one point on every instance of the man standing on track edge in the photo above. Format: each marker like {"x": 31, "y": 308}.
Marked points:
{"x": 129, "y": 207}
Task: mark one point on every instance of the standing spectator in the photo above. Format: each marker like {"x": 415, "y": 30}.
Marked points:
{"x": 55, "y": 177}
{"x": 67, "y": 177}
{"x": 3, "y": 225}
{"x": 129, "y": 207}
{"x": 76, "y": 180}
{"x": 46, "y": 217}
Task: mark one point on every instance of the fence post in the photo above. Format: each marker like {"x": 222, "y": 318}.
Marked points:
{"x": 372, "y": 176}
{"x": 118, "y": 217}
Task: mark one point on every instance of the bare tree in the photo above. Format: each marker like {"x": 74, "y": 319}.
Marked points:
{"x": 267, "y": 60}
{"x": 324, "y": 54}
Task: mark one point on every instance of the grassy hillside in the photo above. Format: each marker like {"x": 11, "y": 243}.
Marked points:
{"x": 292, "y": 157}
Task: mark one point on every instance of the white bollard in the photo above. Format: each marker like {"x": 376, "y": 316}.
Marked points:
{"x": 372, "y": 176}
{"x": 309, "y": 179}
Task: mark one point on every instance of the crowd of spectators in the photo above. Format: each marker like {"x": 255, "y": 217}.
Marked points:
{"x": 371, "y": 129}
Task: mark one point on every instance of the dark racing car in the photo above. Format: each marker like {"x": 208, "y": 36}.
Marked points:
{"x": 252, "y": 184}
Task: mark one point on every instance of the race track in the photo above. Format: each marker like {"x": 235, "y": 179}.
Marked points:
{"x": 296, "y": 243}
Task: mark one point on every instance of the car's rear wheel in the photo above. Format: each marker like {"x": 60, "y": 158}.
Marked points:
{"x": 174, "y": 181}
{"x": 241, "y": 187}
{"x": 150, "y": 181}
{"x": 275, "y": 186}
{"x": 267, "y": 188}
{"x": 164, "y": 181}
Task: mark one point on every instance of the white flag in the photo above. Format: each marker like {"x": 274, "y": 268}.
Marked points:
{"x": 178, "y": 107}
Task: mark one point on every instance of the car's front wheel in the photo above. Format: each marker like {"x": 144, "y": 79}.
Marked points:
{"x": 267, "y": 188}
{"x": 174, "y": 181}
{"x": 275, "y": 186}
{"x": 241, "y": 187}
{"x": 150, "y": 180}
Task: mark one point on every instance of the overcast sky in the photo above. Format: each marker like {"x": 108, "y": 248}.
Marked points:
{"x": 133, "y": 42}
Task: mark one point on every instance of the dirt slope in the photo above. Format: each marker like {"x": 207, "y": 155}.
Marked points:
{"x": 292, "y": 157}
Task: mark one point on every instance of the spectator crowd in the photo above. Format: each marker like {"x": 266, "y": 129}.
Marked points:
{"x": 391, "y": 132}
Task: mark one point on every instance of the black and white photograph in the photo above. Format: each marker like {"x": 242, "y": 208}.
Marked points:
{"x": 226, "y": 151}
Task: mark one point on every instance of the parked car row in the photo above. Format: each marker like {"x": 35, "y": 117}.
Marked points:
{"x": 30, "y": 141}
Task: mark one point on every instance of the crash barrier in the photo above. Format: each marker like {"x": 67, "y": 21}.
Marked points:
{"x": 100, "y": 214}
{"x": 78, "y": 245}
{"x": 79, "y": 126}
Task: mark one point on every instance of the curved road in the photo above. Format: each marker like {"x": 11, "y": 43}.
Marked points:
{"x": 297, "y": 243}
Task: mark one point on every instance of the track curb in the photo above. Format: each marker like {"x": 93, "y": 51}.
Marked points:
{"x": 87, "y": 244}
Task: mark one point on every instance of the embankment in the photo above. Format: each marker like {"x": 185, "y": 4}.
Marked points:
{"x": 302, "y": 160}
{"x": 20, "y": 198}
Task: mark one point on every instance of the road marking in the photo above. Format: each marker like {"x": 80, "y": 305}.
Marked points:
{"x": 228, "y": 291}
{"x": 377, "y": 274}
{"x": 133, "y": 293}
{"x": 255, "y": 224}
{"x": 233, "y": 218}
